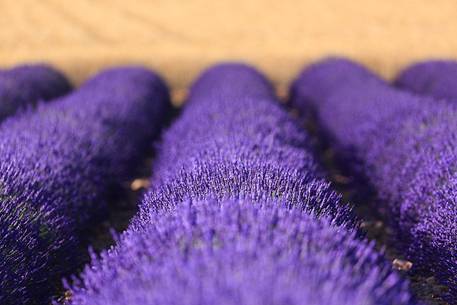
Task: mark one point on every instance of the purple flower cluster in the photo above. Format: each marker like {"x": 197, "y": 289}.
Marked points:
{"x": 239, "y": 213}
{"x": 405, "y": 145}
{"x": 57, "y": 166}
{"x": 435, "y": 78}
{"x": 235, "y": 142}
{"x": 25, "y": 85}
{"x": 240, "y": 252}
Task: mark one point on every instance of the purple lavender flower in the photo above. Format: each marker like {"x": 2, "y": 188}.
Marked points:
{"x": 434, "y": 78}
{"x": 57, "y": 166}
{"x": 239, "y": 213}
{"x": 25, "y": 85}
{"x": 436, "y": 181}
{"x": 240, "y": 252}
{"x": 404, "y": 145}
{"x": 230, "y": 81}
{"x": 240, "y": 143}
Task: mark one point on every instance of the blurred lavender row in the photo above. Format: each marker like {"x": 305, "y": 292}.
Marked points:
{"x": 438, "y": 79}
{"x": 404, "y": 145}
{"x": 23, "y": 86}
{"x": 58, "y": 164}
{"x": 239, "y": 213}
{"x": 434, "y": 78}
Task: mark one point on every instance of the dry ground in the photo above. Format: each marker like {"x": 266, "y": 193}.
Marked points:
{"x": 179, "y": 38}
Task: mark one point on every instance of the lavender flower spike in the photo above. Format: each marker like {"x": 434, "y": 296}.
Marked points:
{"x": 405, "y": 145}
{"x": 57, "y": 165}
{"x": 25, "y": 85}
{"x": 435, "y": 78}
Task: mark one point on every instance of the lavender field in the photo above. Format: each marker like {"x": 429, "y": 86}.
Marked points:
{"x": 343, "y": 193}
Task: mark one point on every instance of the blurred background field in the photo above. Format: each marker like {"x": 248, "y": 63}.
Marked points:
{"x": 179, "y": 38}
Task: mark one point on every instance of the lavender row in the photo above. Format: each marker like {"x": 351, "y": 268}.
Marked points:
{"x": 434, "y": 78}
{"x": 23, "y": 86}
{"x": 238, "y": 145}
{"x": 239, "y": 214}
{"x": 240, "y": 252}
{"x": 404, "y": 145}
{"x": 58, "y": 164}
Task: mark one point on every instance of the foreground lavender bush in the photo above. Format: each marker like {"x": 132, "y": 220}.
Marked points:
{"x": 240, "y": 252}
{"x": 404, "y": 145}
{"x": 25, "y": 85}
{"x": 57, "y": 166}
{"x": 288, "y": 240}
{"x": 435, "y": 78}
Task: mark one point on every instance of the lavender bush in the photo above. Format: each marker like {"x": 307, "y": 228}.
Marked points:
{"x": 435, "y": 78}
{"x": 238, "y": 145}
{"x": 57, "y": 165}
{"x": 238, "y": 213}
{"x": 404, "y": 145}
{"x": 25, "y": 85}
{"x": 240, "y": 252}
